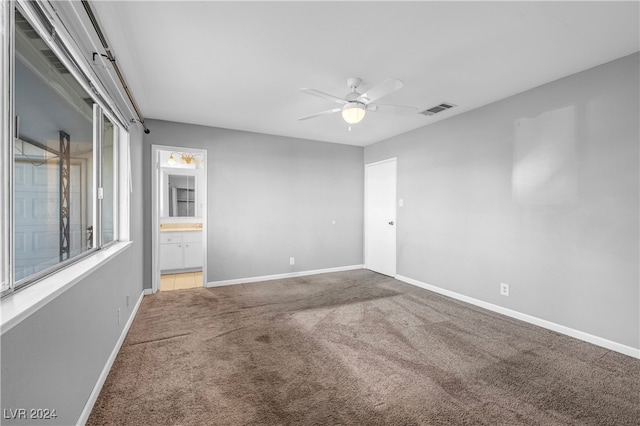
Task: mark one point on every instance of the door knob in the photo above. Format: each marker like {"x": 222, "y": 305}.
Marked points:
{"x": 391, "y": 223}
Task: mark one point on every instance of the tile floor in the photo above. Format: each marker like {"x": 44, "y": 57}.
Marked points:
{"x": 182, "y": 281}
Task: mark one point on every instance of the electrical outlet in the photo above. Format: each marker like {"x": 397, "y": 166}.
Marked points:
{"x": 504, "y": 289}
{"x": 292, "y": 261}
{"x": 127, "y": 300}
{"x": 118, "y": 315}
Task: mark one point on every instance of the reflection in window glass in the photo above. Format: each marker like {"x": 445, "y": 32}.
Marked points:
{"x": 53, "y": 158}
{"x": 5, "y": 117}
{"x": 108, "y": 181}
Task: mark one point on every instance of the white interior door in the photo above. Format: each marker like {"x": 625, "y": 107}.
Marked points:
{"x": 380, "y": 217}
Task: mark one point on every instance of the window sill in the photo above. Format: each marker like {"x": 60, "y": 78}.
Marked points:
{"x": 20, "y": 305}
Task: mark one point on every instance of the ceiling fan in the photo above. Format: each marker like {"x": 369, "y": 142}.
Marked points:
{"x": 355, "y": 104}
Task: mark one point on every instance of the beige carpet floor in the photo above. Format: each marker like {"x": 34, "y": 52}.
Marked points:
{"x": 354, "y": 348}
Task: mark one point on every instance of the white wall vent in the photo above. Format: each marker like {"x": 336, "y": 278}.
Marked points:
{"x": 438, "y": 108}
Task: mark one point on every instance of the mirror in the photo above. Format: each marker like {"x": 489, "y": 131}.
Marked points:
{"x": 181, "y": 195}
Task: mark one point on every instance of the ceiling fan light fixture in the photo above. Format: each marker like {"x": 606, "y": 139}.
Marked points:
{"x": 353, "y": 112}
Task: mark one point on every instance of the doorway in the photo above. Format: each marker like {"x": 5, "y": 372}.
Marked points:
{"x": 380, "y": 217}
{"x": 179, "y": 219}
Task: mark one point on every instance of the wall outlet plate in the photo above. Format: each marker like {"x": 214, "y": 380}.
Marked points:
{"x": 504, "y": 289}
{"x": 292, "y": 261}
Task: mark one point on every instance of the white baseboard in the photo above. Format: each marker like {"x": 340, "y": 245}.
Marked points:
{"x": 84, "y": 416}
{"x": 148, "y": 291}
{"x": 280, "y": 276}
{"x": 590, "y": 338}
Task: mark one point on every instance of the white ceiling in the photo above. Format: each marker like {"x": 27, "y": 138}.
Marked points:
{"x": 240, "y": 65}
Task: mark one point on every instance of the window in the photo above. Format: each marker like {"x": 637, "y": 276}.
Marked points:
{"x": 63, "y": 164}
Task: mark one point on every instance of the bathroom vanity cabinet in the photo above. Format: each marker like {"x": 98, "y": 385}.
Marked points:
{"x": 180, "y": 251}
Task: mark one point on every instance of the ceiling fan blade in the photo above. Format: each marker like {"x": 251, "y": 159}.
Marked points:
{"x": 317, "y": 114}
{"x": 392, "y": 109}
{"x": 383, "y": 89}
{"x": 323, "y": 95}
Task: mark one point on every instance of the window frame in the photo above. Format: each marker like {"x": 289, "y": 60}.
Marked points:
{"x": 115, "y": 183}
{"x": 6, "y": 149}
{"x": 56, "y": 38}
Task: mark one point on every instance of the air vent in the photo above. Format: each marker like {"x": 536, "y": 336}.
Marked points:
{"x": 25, "y": 26}
{"x": 438, "y": 108}
{"x": 48, "y": 53}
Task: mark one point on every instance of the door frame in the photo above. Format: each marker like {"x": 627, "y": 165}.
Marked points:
{"x": 156, "y": 172}
{"x": 394, "y": 160}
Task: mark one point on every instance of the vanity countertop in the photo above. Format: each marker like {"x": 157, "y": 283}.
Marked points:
{"x": 180, "y": 227}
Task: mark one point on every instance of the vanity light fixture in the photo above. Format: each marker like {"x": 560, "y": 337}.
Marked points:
{"x": 186, "y": 158}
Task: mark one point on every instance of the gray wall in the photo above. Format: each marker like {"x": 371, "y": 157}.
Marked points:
{"x": 539, "y": 191}
{"x": 54, "y": 358}
{"x": 270, "y": 198}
